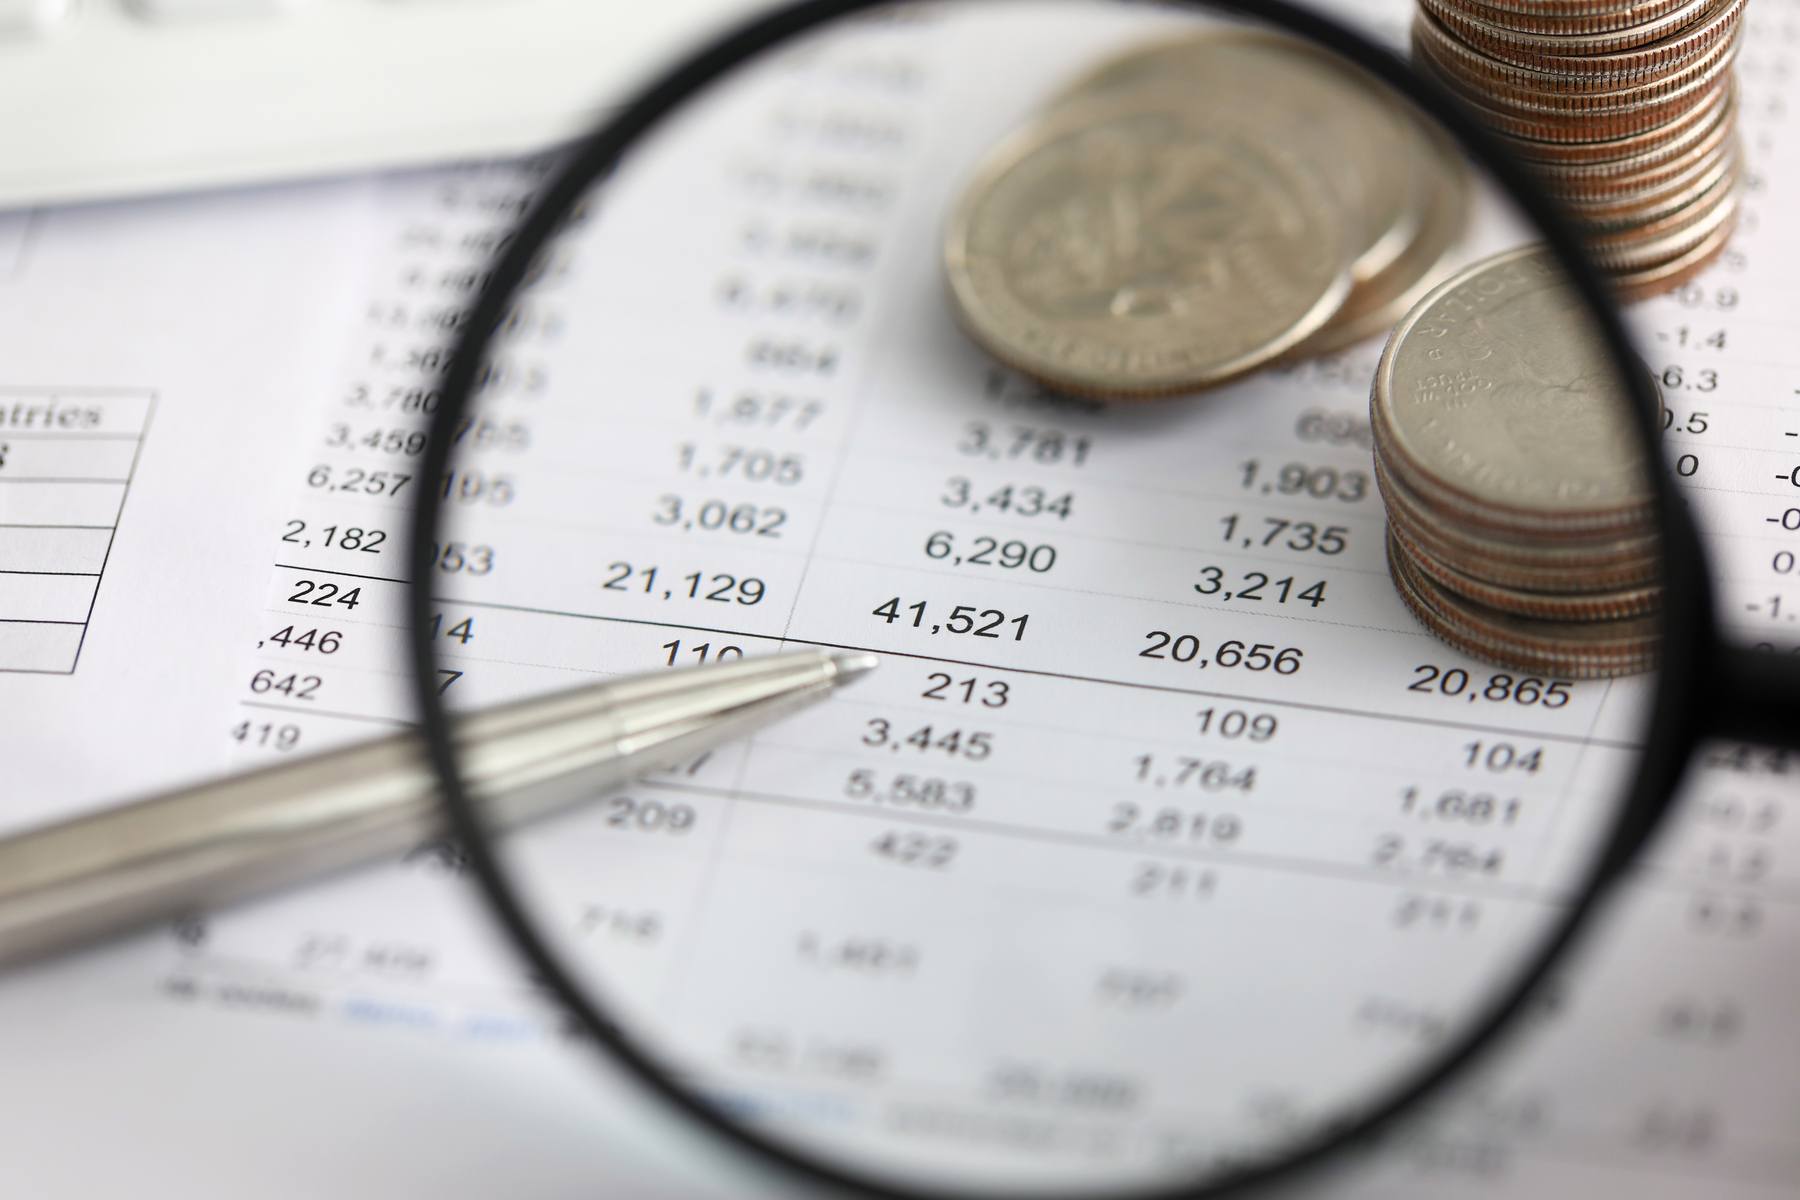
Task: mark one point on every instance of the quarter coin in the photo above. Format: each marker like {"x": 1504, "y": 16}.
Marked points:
{"x": 1374, "y": 305}
{"x": 1560, "y": 649}
{"x": 1362, "y": 141}
{"x": 1495, "y": 399}
{"x": 1548, "y": 605}
{"x": 1141, "y": 245}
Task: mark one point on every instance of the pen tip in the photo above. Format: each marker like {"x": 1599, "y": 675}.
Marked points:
{"x": 852, "y": 666}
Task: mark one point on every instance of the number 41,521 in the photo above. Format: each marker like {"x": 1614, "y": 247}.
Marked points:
{"x": 963, "y": 619}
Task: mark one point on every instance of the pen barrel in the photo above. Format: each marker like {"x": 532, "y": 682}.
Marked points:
{"x": 171, "y": 855}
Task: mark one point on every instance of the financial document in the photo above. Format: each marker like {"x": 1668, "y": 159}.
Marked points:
{"x": 836, "y": 435}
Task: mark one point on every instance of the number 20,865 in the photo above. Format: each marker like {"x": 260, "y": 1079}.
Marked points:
{"x": 1523, "y": 690}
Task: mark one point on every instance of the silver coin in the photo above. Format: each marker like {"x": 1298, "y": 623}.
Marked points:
{"x": 1672, "y": 237}
{"x": 1566, "y": 649}
{"x": 1495, "y": 396}
{"x": 1375, "y": 304}
{"x": 1142, "y": 245}
{"x": 1541, "y": 564}
{"x": 1537, "y": 603}
{"x": 1369, "y": 149}
{"x": 1628, "y": 115}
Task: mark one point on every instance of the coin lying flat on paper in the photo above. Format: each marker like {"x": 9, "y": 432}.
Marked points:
{"x": 1378, "y": 302}
{"x": 1141, "y": 245}
{"x": 1403, "y": 191}
{"x": 1517, "y": 494}
{"x": 1372, "y": 155}
{"x": 1397, "y": 197}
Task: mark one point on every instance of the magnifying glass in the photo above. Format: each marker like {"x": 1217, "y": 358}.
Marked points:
{"x": 1228, "y": 789}
{"x": 1248, "y": 763}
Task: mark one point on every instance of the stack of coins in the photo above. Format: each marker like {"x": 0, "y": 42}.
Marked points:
{"x": 1626, "y": 108}
{"x": 1518, "y": 504}
{"x": 1152, "y": 232}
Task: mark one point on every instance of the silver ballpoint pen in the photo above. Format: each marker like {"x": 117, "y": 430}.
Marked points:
{"x": 169, "y": 855}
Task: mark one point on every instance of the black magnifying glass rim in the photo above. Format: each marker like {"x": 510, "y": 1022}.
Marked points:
{"x": 1677, "y": 711}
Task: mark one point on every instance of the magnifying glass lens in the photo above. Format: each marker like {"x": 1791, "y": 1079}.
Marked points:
{"x": 1255, "y": 528}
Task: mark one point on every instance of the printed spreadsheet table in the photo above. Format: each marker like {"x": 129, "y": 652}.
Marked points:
{"x": 66, "y": 461}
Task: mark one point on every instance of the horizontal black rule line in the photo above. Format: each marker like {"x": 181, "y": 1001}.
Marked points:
{"x": 1572, "y": 739}
{"x": 326, "y": 712}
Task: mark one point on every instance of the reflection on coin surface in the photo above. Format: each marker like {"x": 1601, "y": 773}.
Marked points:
{"x": 1141, "y": 246}
{"x": 1497, "y": 396}
{"x": 1365, "y": 146}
